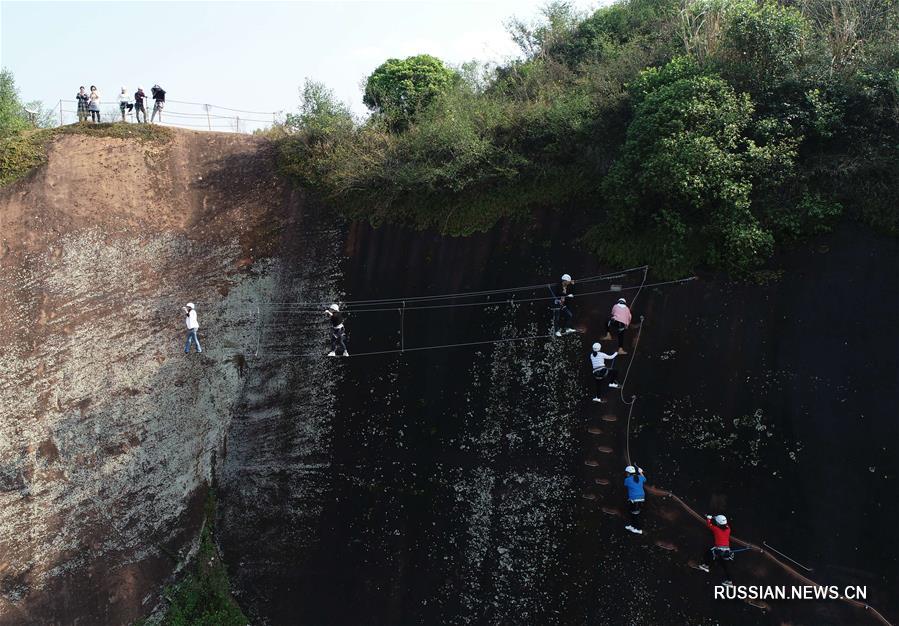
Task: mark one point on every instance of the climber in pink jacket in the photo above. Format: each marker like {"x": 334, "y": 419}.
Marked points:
{"x": 619, "y": 322}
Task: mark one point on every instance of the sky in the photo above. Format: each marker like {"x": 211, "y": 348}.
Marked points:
{"x": 242, "y": 55}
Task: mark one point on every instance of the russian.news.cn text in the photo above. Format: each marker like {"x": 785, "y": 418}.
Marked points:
{"x": 794, "y": 592}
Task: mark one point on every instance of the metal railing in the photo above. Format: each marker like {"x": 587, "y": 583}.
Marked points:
{"x": 177, "y": 113}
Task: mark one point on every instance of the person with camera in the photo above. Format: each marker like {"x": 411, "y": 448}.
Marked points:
{"x": 190, "y": 319}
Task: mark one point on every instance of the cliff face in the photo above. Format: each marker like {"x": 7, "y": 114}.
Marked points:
{"x": 109, "y": 432}
{"x": 481, "y": 485}
{"x": 471, "y": 485}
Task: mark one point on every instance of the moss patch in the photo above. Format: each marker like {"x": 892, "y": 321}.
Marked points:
{"x": 203, "y": 597}
{"x": 21, "y": 153}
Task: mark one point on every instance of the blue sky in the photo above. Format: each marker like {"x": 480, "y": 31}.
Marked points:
{"x": 245, "y": 55}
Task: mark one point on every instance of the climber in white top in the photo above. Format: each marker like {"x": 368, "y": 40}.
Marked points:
{"x": 190, "y": 320}
{"x": 604, "y": 375}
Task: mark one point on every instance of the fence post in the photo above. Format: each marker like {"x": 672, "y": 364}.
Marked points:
{"x": 208, "y": 119}
{"x": 60, "y": 112}
{"x": 238, "y": 123}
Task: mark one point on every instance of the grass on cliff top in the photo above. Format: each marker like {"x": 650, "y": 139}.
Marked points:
{"x": 22, "y": 152}
{"x": 203, "y": 597}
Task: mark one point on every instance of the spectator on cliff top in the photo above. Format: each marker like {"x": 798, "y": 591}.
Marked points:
{"x": 563, "y": 311}
{"x": 618, "y": 322}
{"x": 158, "y": 94}
{"x": 190, "y": 319}
{"x": 125, "y": 105}
{"x": 720, "y": 552}
{"x": 83, "y": 103}
{"x": 94, "y": 105}
{"x": 338, "y": 332}
{"x": 139, "y": 97}
{"x": 633, "y": 483}
{"x": 603, "y": 375}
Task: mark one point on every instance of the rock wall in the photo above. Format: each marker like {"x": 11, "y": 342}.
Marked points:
{"x": 109, "y": 433}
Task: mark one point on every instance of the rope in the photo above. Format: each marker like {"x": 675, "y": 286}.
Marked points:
{"x": 419, "y": 348}
{"x": 645, "y": 274}
{"x": 461, "y": 294}
{"x": 485, "y": 303}
{"x": 215, "y": 106}
{"x": 628, "y": 437}
{"x": 631, "y": 362}
{"x": 808, "y": 569}
{"x": 464, "y": 304}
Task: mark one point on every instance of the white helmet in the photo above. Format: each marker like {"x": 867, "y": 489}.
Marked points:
{"x": 630, "y": 469}
{"x": 334, "y": 307}
{"x": 622, "y": 301}
{"x": 566, "y": 276}
{"x": 597, "y": 347}
{"x": 721, "y": 520}
{"x": 189, "y": 305}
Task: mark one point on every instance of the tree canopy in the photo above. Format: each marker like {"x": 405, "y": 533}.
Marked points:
{"x": 400, "y": 88}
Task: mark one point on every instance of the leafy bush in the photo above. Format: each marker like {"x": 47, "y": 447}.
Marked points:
{"x": 684, "y": 178}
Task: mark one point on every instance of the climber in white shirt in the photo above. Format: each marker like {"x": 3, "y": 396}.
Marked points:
{"x": 190, "y": 319}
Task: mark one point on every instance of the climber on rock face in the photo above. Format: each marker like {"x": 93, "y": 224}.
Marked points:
{"x": 563, "y": 310}
{"x": 338, "y": 333}
{"x": 190, "y": 319}
{"x": 618, "y": 322}
{"x": 720, "y": 552}
{"x": 603, "y": 375}
{"x": 633, "y": 483}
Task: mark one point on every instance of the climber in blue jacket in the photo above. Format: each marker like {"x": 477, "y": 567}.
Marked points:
{"x": 633, "y": 482}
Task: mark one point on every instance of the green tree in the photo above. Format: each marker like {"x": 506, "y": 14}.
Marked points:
{"x": 321, "y": 114}
{"x": 400, "y": 88}
{"x": 12, "y": 115}
{"x": 762, "y": 44}
{"x": 680, "y": 192}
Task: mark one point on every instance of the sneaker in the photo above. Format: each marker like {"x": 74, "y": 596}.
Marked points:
{"x": 638, "y": 531}
{"x": 331, "y": 353}
{"x": 728, "y": 583}
{"x": 597, "y": 399}
{"x": 570, "y": 330}
{"x": 558, "y": 333}
{"x": 629, "y": 527}
{"x": 614, "y": 385}
{"x": 704, "y": 568}
{"x": 345, "y": 353}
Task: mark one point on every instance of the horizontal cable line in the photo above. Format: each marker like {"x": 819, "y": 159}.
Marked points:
{"x": 460, "y": 294}
{"x": 201, "y": 104}
{"x": 414, "y": 349}
{"x": 215, "y": 106}
{"x": 198, "y": 116}
{"x": 506, "y": 302}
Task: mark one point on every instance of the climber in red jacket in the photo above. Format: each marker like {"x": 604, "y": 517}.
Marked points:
{"x": 720, "y": 552}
